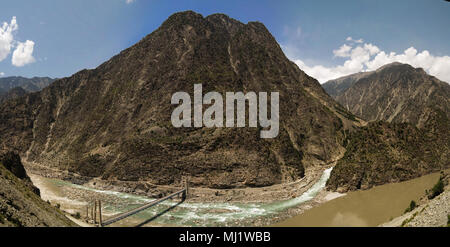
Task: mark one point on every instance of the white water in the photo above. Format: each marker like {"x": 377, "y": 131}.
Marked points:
{"x": 202, "y": 214}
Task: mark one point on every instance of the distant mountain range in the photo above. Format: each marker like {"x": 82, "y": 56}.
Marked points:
{"x": 16, "y": 86}
{"x": 28, "y": 84}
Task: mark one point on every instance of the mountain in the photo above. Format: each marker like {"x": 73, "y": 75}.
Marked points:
{"x": 28, "y": 84}
{"x": 20, "y": 204}
{"x": 338, "y": 86}
{"x": 382, "y": 152}
{"x": 114, "y": 122}
{"x": 395, "y": 93}
{"x": 416, "y": 141}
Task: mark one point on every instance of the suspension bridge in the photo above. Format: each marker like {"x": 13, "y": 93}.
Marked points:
{"x": 97, "y": 205}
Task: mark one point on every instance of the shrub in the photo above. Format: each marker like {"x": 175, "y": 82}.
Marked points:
{"x": 448, "y": 220}
{"x": 77, "y": 215}
{"x": 437, "y": 189}
{"x": 412, "y": 206}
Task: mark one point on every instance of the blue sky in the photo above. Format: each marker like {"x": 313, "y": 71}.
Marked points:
{"x": 72, "y": 35}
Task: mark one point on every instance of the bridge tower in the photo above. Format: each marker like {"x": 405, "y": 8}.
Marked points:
{"x": 186, "y": 187}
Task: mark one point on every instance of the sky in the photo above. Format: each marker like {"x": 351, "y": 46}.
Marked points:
{"x": 326, "y": 39}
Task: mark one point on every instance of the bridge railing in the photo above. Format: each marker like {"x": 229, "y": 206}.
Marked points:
{"x": 122, "y": 216}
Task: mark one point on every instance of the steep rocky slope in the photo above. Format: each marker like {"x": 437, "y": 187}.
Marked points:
{"x": 338, "y": 86}
{"x": 113, "y": 122}
{"x": 383, "y": 152}
{"x": 20, "y": 204}
{"x": 395, "y": 93}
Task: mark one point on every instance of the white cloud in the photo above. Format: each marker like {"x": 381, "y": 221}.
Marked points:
{"x": 372, "y": 49}
{"x": 129, "y": 1}
{"x": 2, "y": 74}
{"x": 7, "y": 37}
{"x": 368, "y": 57}
{"x": 350, "y": 39}
{"x": 23, "y": 54}
{"x": 343, "y": 51}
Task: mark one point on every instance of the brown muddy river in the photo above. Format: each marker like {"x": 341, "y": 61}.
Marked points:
{"x": 366, "y": 208}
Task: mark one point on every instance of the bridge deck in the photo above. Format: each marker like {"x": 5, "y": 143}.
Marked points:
{"x": 143, "y": 207}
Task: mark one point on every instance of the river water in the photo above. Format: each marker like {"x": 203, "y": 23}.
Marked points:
{"x": 368, "y": 207}
{"x": 74, "y": 198}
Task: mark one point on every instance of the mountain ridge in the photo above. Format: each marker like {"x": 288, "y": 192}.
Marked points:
{"x": 32, "y": 84}
{"x": 17, "y": 86}
{"x": 395, "y": 93}
{"x": 408, "y": 113}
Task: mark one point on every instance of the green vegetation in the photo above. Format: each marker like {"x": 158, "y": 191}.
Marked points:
{"x": 437, "y": 189}
{"x": 409, "y": 219}
{"x": 411, "y": 207}
{"x": 448, "y": 220}
{"x": 77, "y": 215}
{"x": 346, "y": 113}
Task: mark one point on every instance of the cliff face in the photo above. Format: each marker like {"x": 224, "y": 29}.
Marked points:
{"x": 20, "y": 204}
{"x": 114, "y": 122}
{"x": 11, "y": 161}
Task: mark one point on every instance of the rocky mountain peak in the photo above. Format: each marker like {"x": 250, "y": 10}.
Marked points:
{"x": 114, "y": 122}
{"x": 395, "y": 92}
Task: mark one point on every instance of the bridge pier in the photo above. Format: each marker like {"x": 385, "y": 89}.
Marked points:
{"x": 95, "y": 212}
{"x": 186, "y": 188}
{"x": 92, "y": 212}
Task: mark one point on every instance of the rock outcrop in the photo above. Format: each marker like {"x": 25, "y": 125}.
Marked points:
{"x": 20, "y": 204}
